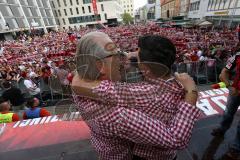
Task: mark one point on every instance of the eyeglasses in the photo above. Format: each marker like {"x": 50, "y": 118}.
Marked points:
{"x": 121, "y": 54}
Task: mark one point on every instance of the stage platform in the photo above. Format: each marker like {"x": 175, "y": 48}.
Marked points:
{"x": 202, "y": 146}
{"x": 66, "y": 137}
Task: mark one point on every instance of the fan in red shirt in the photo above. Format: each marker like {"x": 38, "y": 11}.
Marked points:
{"x": 72, "y": 37}
{"x": 46, "y": 70}
{"x": 5, "y": 115}
{"x": 34, "y": 111}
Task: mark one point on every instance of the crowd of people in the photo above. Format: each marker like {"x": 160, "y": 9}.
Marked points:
{"x": 30, "y": 62}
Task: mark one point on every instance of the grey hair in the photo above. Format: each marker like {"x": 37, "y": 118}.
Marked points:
{"x": 87, "y": 54}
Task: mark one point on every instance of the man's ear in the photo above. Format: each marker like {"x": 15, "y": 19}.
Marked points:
{"x": 100, "y": 66}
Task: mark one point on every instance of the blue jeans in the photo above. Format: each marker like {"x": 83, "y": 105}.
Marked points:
{"x": 232, "y": 106}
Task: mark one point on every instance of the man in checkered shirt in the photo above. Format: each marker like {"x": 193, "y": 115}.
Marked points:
{"x": 148, "y": 120}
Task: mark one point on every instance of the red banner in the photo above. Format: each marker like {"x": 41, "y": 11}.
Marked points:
{"x": 94, "y": 4}
{"x": 213, "y": 102}
{"x": 40, "y": 132}
{"x": 53, "y": 130}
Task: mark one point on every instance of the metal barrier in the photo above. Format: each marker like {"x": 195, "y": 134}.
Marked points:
{"x": 203, "y": 72}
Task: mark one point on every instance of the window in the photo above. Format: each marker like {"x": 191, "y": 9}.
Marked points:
{"x": 232, "y": 3}
{"x": 89, "y": 9}
{"x": 83, "y": 19}
{"x": 77, "y": 1}
{"x": 71, "y": 2}
{"x": 65, "y": 3}
{"x": 64, "y": 21}
{"x": 55, "y": 13}
{"x": 238, "y": 3}
{"x": 53, "y": 5}
{"x": 213, "y": 4}
{"x": 217, "y": 5}
{"x": 65, "y": 11}
{"x": 71, "y": 11}
{"x": 87, "y": 1}
{"x": 59, "y": 13}
{"x": 105, "y": 16}
{"x": 77, "y": 10}
{"x": 226, "y": 6}
{"x": 209, "y": 4}
{"x": 221, "y": 4}
{"x": 83, "y": 10}
{"x": 194, "y": 6}
{"x": 102, "y": 7}
{"x": 59, "y": 5}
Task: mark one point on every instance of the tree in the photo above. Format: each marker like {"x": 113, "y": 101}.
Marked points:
{"x": 127, "y": 18}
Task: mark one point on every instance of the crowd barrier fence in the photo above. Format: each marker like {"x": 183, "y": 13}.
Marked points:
{"x": 203, "y": 72}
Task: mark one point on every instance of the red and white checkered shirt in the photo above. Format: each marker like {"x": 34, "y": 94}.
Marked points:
{"x": 149, "y": 119}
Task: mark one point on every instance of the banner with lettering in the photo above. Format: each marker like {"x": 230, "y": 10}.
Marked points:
{"x": 213, "y": 102}
{"x": 56, "y": 129}
{"x": 40, "y": 132}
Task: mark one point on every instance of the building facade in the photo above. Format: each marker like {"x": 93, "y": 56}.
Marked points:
{"x": 128, "y": 6}
{"x": 220, "y": 12}
{"x": 18, "y": 15}
{"x": 146, "y": 13}
{"x": 197, "y": 9}
{"x": 170, "y": 8}
{"x": 158, "y": 9}
{"x": 184, "y": 8}
{"x": 77, "y": 13}
{"x": 223, "y": 13}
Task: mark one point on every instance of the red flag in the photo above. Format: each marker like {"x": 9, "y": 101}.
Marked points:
{"x": 94, "y": 3}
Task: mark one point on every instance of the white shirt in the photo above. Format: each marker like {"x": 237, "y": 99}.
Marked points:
{"x": 1, "y": 51}
{"x": 32, "y": 87}
{"x": 199, "y": 53}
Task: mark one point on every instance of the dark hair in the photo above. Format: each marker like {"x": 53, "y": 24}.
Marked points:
{"x": 6, "y": 84}
{"x": 2, "y": 100}
{"x": 154, "y": 48}
{"x": 30, "y": 102}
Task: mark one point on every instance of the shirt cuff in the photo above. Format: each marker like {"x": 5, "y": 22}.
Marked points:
{"x": 190, "y": 111}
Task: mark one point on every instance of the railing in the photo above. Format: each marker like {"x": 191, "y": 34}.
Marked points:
{"x": 203, "y": 72}
{"x": 56, "y": 94}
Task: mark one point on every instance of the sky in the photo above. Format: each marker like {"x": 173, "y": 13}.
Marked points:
{"x": 139, "y": 3}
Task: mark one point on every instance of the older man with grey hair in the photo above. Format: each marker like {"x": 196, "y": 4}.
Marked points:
{"x": 95, "y": 56}
{"x": 147, "y": 120}
{"x": 97, "y": 51}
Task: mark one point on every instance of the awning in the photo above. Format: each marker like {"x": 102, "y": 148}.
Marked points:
{"x": 205, "y": 23}
{"x": 183, "y": 23}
